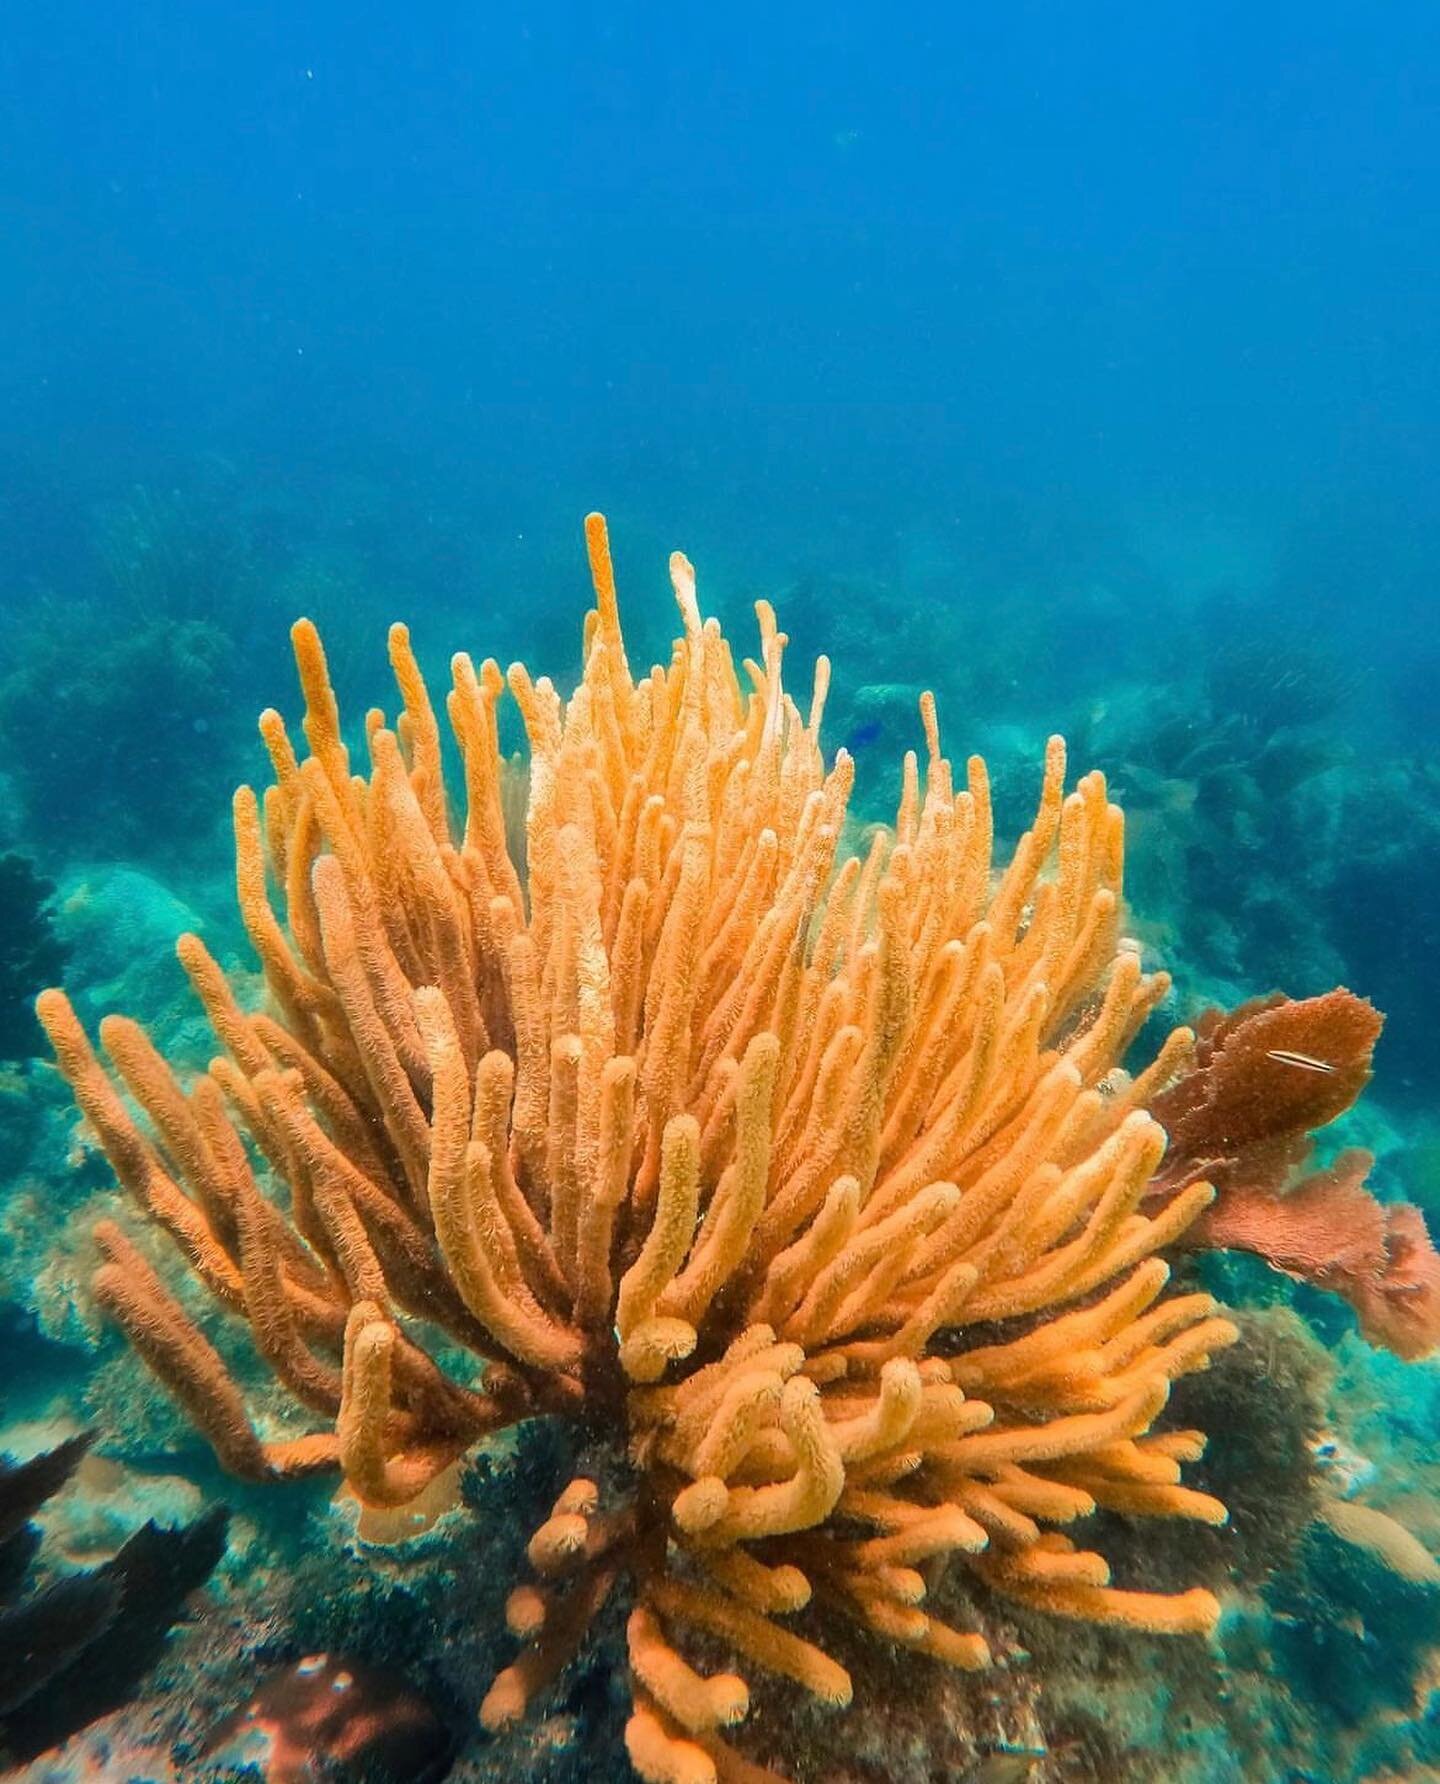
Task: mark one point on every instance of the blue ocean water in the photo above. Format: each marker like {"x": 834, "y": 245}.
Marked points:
{"x": 1078, "y": 364}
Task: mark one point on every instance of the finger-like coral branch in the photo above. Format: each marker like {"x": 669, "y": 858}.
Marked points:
{"x": 806, "y": 1183}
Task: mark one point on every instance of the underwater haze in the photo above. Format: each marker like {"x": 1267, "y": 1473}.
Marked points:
{"x": 1079, "y": 366}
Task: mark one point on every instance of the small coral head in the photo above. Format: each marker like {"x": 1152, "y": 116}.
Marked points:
{"x": 325, "y": 1711}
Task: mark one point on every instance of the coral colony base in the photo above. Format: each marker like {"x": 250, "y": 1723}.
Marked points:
{"x": 805, "y": 1185}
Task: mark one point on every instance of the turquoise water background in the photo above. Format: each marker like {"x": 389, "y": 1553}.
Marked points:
{"x": 1097, "y": 345}
{"x": 1081, "y": 364}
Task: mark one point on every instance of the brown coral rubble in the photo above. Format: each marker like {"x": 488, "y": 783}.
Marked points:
{"x": 802, "y": 1182}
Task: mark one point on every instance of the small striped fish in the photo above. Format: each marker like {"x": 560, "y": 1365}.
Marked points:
{"x": 1283, "y": 1056}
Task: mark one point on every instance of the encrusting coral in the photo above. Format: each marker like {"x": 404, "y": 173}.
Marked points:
{"x": 804, "y": 1183}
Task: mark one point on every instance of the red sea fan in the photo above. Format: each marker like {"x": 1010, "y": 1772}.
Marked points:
{"x": 1262, "y": 1079}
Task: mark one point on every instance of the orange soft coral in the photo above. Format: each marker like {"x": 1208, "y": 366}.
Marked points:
{"x": 795, "y": 1181}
